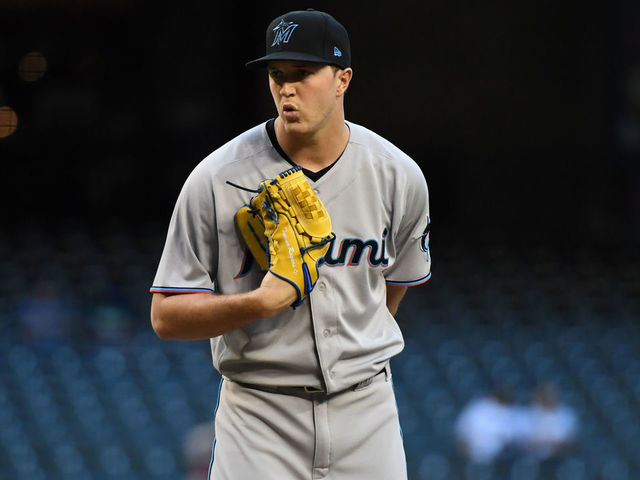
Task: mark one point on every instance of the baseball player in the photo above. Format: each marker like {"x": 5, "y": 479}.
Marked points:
{"x": 306, "y": 392}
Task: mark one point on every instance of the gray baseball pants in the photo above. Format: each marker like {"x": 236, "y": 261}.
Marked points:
{"x": 351, "y": 435}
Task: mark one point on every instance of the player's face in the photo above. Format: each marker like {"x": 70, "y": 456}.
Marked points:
{"x": 307, "y": 95}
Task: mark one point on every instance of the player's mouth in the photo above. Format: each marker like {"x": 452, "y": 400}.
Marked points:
{"x": 290, "y": 112}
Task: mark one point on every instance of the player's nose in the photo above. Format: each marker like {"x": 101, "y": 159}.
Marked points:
{"x": 287, "y": 89}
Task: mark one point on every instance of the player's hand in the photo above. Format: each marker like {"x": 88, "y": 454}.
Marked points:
{"x": 277, "y": 294}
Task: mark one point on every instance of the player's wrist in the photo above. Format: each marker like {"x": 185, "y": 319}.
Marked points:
{"x": 275, "y": 294}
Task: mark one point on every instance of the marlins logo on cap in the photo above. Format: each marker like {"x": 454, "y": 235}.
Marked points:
{"x": 306, "y": 35}
{"x": 283, "y": 32}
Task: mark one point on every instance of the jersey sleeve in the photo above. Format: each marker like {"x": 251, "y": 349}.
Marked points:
{"x": 189, "y": 260}
{"x": 410, "y": 239}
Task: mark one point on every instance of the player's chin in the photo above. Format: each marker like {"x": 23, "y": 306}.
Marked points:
{"x": 294, "y": 126}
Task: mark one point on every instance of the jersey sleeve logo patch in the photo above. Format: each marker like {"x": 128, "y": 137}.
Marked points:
{"x": 424, "y": 238}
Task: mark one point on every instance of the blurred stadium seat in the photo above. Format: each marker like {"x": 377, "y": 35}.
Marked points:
{"x": 108, "y": 400}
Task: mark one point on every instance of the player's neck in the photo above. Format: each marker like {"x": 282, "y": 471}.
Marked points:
{"x": 317, "y": 150}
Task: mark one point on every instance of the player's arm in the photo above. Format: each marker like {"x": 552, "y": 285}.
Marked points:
{"x": 197, "y": 316}
{"x": 395, "y": 293}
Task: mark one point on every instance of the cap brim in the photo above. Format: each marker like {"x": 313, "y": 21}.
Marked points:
{"x": 262, "y": 61}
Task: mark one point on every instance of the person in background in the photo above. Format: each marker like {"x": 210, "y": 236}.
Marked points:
{"x": 485, "y": 428}
{"x": 550, "y": 427}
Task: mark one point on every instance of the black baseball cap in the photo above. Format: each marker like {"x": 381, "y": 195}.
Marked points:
{"x": 308, "y": 35}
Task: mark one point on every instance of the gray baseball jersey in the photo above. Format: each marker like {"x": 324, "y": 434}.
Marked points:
{"x": 338, "y": 339}
{"x": 378, "y": 202}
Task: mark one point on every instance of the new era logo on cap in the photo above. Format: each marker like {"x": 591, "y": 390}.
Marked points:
{"x": 306, "y": 35}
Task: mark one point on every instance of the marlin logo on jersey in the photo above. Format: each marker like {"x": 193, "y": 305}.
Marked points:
{"x": 354, "y": 249}
{"x": 283, "y": 32}
{"x": 349, "y": 253}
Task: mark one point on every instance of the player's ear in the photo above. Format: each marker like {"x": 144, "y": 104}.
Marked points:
{"x": 344, "y": 78}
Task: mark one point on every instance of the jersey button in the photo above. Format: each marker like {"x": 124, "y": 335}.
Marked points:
{"x": 322, "y": 286}
{"x": 326, "y": 332}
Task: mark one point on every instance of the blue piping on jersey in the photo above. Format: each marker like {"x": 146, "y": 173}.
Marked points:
{"x": 213, "y": 447}
{"x": 410, "y": 284}
{"x": 181, "y": 290}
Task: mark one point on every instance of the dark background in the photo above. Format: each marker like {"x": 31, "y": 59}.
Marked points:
{"x": 525, "y": 118}
{"x": 515, "y": 112}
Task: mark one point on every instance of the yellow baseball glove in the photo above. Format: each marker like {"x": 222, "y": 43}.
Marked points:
{"x": 287, "y": 229}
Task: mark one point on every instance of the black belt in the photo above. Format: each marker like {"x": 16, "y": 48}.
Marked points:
{"x": 308, "y": 393}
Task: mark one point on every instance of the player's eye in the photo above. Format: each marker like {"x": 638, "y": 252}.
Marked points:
{"x": 296, "y": 75}
{"x": 300, "y": 75}
{"x": 275, "y": 74}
